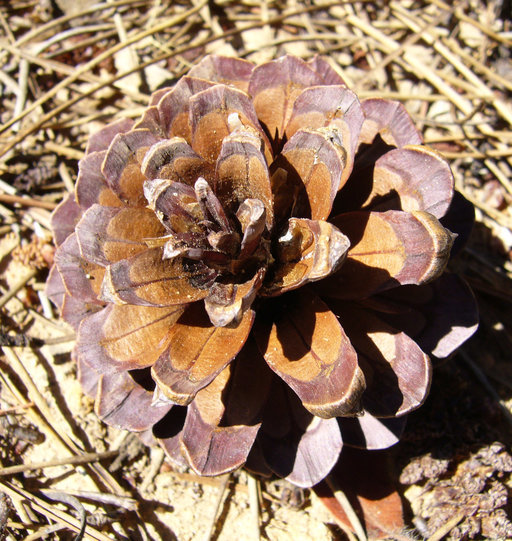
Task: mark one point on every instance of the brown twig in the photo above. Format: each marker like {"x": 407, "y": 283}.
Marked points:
{"x": 27, "y": 201}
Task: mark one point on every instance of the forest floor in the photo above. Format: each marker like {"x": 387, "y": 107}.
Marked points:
{"x": 66, "y": 69}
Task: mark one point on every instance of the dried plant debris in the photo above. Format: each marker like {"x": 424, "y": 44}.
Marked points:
{"x": 67, "y": 69}
{"x": 5, "y": 510}
{"x": 477, "y": 491}
{"x": 453, "y": 472}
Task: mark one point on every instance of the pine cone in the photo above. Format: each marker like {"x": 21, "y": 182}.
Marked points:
{"x": 255, "y": 269}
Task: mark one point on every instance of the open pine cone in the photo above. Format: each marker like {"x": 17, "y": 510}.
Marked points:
{"x": 255, "y": 269}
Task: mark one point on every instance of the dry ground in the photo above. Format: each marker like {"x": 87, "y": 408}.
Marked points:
{"x": 68, "y": 67}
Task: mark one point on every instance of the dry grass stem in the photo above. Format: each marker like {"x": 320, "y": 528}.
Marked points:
{"x": 348, "y": 509}
{"x": 81, "y": 459}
